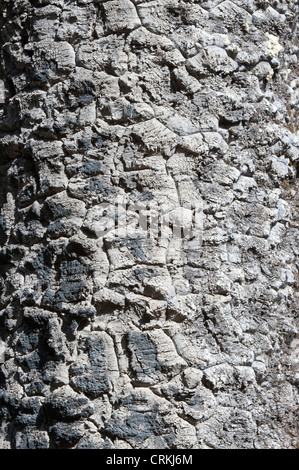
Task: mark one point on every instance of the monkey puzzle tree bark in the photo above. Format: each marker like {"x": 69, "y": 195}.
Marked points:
{"x": 149, "y": 224}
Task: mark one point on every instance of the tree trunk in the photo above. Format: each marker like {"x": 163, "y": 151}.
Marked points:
{"x": 149, "y": 224}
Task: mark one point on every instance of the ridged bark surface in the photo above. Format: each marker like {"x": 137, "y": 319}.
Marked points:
{"x": 138, "y": 338}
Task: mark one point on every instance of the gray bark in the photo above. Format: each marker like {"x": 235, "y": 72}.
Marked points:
{"x": 119, "y": 335}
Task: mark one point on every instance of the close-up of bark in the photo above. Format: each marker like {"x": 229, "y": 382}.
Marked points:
{"x": 149, "y": 156}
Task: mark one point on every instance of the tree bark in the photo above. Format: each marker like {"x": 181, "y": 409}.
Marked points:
{"x": 149, "y": 224}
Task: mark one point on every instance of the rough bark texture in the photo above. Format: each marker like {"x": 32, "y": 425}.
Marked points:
{"x": 158, "y": 342}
